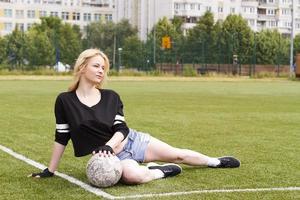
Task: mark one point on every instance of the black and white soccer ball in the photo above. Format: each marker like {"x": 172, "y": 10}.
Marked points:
{"x": 103, "y": 171}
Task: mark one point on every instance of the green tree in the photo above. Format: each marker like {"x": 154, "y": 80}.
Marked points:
{"x": 172, "y": 29}
{"x": 108, "y": 36}
{"x": 238, "y": 38}
{"x": 70, "y": 44}
{"x": 40, "y": 49}
{"x": 3, "y": 45}
{"x": 297, "y": 44}
{"x": 16, "y": 49}
{"x": 200, "y": 39}
{"x": 133, "y": 53}
{"x": 64, "y": 38}
{"x": 272, "y": 48}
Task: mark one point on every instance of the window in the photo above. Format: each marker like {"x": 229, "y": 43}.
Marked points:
{"x": 286, "y": 11}
{"x": 54, "y": 14}
{"x": 232, "y": 10}
{"x": 97, "y": 17}
{"x": 30, "y": 14}
{"x": 272, "y": 23}
{"x": 19, "y": 14}
{"x": 220, "y": 9}
{"x": 20, "y": 26}
{"x": 185, "y": 6}
{"x": 65, "y": 15}
{"x": 176, "y": 6}
{"x": 271, "y": 11}
{"x": 108, "y": 17}
{"x": 43, "y": 13}
{"x": 29, "y": 25}
{"x": 8, "y": 26}
{"x": 76, "y": 16}
{"x": 251, "y": 22}
{"x": 192, "y": 6}
{"x": 199, "y": 6}
{"x": 7, "y": 12}
{"x": 208, "y": 8}
{"x": 86, "y": 16}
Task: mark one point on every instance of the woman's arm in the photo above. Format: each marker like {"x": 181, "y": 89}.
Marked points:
{"x": 58, "y": 150}
{"x": 116, "y": 139}
{"x": 110, "y": 146}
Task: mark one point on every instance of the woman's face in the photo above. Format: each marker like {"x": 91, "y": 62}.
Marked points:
{"x": 94, "y": 71}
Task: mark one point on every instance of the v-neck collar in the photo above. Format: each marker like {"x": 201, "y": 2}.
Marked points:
{"x": 90, "y": 107}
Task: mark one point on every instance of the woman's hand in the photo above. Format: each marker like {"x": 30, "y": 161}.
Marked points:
{"x": 105, "y": 149}
{"x": 44, "y": 174}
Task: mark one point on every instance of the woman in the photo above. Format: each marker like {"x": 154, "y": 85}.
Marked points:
{"x": 93, "y": 119}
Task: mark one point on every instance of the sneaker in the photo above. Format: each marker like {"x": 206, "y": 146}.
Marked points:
{"x": 169, "y": 169}
{"x": 227, "y": 162}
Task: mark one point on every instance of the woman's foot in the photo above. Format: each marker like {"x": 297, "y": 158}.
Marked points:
{"x": 169, "y": 169}
{"x": 227, "y": 162}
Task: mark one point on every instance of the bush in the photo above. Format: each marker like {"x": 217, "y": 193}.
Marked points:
{"x": 189, "y": 71}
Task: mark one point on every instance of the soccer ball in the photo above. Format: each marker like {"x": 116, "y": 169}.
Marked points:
{"x": 103, "y": 171}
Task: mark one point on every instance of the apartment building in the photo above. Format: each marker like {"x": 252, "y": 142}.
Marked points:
{"x": 24, "y": 13}
{"x": 260, "y": 14}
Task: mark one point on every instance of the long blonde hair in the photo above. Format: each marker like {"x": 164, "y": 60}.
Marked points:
{"x": 81, "y": 64}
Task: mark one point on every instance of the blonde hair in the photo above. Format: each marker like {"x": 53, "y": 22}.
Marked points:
{"x": 81, "y": 64}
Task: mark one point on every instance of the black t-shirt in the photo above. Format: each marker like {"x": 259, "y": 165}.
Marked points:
{"x": 88, "y": 127}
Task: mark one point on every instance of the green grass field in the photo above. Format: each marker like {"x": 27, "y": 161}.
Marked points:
{"x": 256, "y": 121}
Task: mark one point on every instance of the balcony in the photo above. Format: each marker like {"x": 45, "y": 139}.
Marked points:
{"x": 264, "y": 17}
{"x": 264, "y": 4}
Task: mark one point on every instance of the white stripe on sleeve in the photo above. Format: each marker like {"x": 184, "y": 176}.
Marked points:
{"x": 120, "y": 118}
{"x": 117, "y": 122}
{"x": 62, "y": 126}
{"x": 63, "y": 131}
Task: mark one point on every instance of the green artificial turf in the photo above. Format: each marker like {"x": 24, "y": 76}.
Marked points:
{"x": 255, "y": 121}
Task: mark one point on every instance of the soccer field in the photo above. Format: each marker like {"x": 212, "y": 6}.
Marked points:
{"x": 255, "y": 121}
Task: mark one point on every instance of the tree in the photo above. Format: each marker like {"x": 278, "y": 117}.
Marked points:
{"x": 172, "y": 29}
{"x": 134, "y": 54}
{"x": 40, "y": 49}
{"x": 70, "y": 44}
{"x": 297, "y": 44}
{"x": 200, "y": 39}
{"x": 238, "y": 38}
{"x": 108, "y": 36}
{"x": 16, "y": 49}
{"x": 3, "y": 45}
{"x": 65, "y": 40}
{"x": 272, "y": 48}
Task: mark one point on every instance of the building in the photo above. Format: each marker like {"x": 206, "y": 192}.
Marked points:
{"x": 24, "y": 13}
{"x": 260, "y": 14}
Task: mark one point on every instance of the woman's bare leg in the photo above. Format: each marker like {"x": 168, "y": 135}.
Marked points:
{"x": 133, "y": 173}
{"x": 161, "y": 151}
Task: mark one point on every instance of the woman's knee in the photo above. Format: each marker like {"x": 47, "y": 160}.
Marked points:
{"x": 131, "y": 172}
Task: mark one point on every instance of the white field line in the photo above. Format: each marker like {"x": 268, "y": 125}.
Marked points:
{"x": 101, "y": 193}
{"x": 209, "y": 191}
{"x": 73, "y": 180}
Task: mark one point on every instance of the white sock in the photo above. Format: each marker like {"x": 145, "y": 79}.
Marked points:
{"x": 157, "y": 173}
{"x": 212, "y": 162}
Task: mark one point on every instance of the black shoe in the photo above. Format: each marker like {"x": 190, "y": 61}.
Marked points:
{"x": 168, "y": 169}
{"x": 227, "y": 162}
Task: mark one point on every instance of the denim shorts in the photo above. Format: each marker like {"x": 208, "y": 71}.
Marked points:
{"x": 136, "y": 146}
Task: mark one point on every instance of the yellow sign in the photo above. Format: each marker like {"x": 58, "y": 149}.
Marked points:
{"x": 166, "y": 42}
